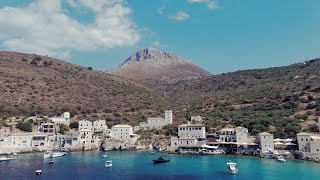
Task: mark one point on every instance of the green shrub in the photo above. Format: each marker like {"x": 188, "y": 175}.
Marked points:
{"x": 24, "y": 126}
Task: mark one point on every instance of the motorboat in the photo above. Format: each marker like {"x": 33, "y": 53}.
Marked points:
{"x": 108, "y": 164}
{"x": 50, "y": 161}
{"x": 6, "y": 158}
{"x": 38, "y": 172}
{"x": 151, "y": 152}
{"x": 281, "y": 159}
{"x": 105, "y": 156}
{"x": 15, "y": 153}
{"x": 161, "y": 159}
{"x": 232, "y": 168}
{"x": 54, "y": 154}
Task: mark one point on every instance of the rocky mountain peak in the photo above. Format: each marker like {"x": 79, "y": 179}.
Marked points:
{"x": 152, "y": 54}
{"x": 153, "y": 64}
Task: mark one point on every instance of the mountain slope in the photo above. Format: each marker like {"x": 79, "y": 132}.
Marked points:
{"x": 37, "y": 84}
{"x": 152, "y": 64}
{"x": 281, "y": 100}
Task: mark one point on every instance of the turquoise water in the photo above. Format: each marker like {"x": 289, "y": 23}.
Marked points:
{"x": 138, "y": 165}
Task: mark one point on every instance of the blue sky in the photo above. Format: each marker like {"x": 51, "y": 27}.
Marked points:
{"x": 218, "y": 35}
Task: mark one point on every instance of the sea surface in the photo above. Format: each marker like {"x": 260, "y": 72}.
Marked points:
{"x": 138, "y": 165}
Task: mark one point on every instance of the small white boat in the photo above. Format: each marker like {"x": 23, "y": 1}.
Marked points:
{"x": 281, "y": 159}
{"x": 6, "y": 158}
{"x": 105, "y": 156}
{"x": 38, "y": 172}
{"x": 151, "y": 152}
{"x": 108, "y": 164}
{"x": 15, "y": 153}
{"x": 54, "y": 154}
{"x": 232, "y": 167}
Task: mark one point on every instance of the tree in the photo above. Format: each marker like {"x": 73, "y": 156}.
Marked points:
{"x": 34, "y": 62}
{"x": 314, "y": 129}
{"x": 24, "y": 126}
{"x": 63, "y": 128}
{"x": 170, "y": 130}
{"x": 4, "y": 123}
{"x": 74, "y": 125}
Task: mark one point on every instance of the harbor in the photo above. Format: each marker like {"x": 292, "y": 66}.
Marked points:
{"x": 139, "y": 165}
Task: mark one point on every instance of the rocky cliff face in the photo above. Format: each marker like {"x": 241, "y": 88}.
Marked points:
{"x": 152, "y": 64}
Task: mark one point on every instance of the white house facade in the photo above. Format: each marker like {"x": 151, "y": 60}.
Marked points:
{"x": 266, "y": 142}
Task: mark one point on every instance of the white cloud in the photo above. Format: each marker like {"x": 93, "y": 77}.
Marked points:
{"x": 43, "y": 27}
{"x": 180, "y": 16}
{"x": 212, "y": 4}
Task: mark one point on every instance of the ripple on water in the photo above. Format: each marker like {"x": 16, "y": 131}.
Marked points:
{"x": 138, "y": 165}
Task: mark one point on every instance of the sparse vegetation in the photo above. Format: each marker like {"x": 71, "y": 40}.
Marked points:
{"x": 74, "y": 125}
{"x": 63, "y": 128}
{"x": 24, "y": 126}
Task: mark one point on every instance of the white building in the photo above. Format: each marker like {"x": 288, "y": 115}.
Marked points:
{"x": 227, "y": 135}
{"x": 63, "y": 119}
{"x": 71, "y": 139}
{"x": 156, "y": 123}
{"x": 266, "y": 142}
{"x": 39, "y": 141}
{"x": 123, "y": 133}
{"x": 4, "y": 131}
{"x": 85, "y": 124}
{"x": 85, "y": 132}
{"x": 241, "y": 135}
{"x": 100, "y": 126}
{"x": 238, "y": 135}
{"x": 309, "y": 142}
{"x": 196, "y": 119}
{"x": 136, "y": 128}
{"x": 189, "y": 136}
{"x": 21, "y": 140}
{"x": 191, "y": 131}
{"x": 27, "y": 140}
{"x": 47, "y": 128}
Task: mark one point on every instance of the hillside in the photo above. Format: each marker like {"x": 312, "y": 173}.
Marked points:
{"x": 32, "y": 84}
{"x": 282, "y": 100}
{"x": 152, "y": 64}
{"x": 261, "y": 99}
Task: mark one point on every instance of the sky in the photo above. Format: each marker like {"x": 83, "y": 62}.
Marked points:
{"x": 218, "y": 35}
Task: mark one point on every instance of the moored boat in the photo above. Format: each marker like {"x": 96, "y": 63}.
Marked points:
{"x": 54, "y": 154}
{"x": 38, "y": 172}
{"x": 6, "y": 158}
{"x": 105, "y": 156}
{"x": 108, "y": 164}
{"x": 232, "y": 168}
{"x": 161, "y": 159}
{"x": 281, "y": 159}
